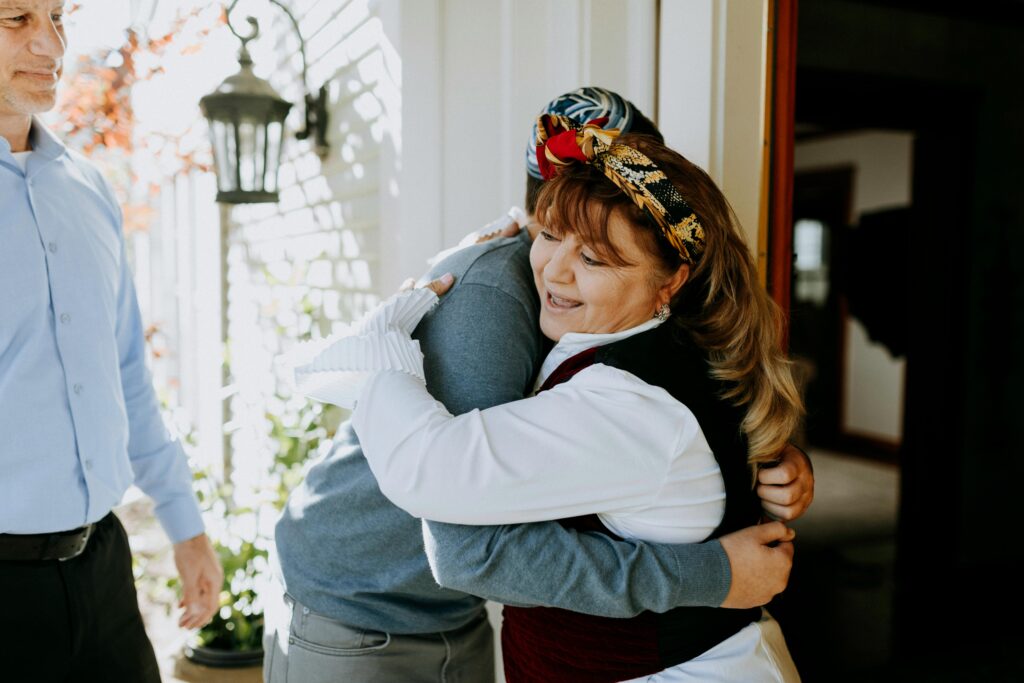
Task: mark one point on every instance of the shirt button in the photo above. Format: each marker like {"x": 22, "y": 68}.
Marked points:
{"x": 52, "y": 246}
{"x": 88, "y": 464}
{"x": 77, "y": 388}
{"x": 65, "y": 317}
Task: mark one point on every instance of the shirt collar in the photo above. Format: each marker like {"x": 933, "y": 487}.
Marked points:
{"x": 44, "y": 141}
{"x": 572, "y": 343}
{"x": 41, "y": 141}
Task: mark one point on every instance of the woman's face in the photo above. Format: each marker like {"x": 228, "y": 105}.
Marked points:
{"x": 581, "y": 293}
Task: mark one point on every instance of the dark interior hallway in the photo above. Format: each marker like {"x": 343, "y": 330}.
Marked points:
{"x": 930, "y": 595}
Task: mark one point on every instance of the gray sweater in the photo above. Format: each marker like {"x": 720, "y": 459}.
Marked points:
{"x": 347, "y": 552}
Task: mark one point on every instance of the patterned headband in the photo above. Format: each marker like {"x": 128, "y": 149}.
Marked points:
{"x": 562, "y": 142}
{"x": 581, "y": 105}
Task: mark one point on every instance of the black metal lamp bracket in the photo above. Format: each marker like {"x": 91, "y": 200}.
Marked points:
{"x": 315, "y": 104}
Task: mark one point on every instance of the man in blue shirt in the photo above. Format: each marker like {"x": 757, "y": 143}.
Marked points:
{"x": 78, "y": 416}
{"x": 361, "y": 601}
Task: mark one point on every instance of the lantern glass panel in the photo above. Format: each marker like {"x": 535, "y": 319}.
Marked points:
{"x": 248, "y": 180}
{"x": 223, "y": 136}
{"x": 260, "y": 157}
{"x": 231, "y": 154}
{"x": 275, "y": 133}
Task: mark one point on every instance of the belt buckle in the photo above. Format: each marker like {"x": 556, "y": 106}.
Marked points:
{"x": 82, "y": 543}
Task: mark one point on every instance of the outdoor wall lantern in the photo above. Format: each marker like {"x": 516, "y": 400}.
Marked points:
{"x": 246, "y": 117}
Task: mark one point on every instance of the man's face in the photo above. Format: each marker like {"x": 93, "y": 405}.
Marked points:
{"x": 31, "y": 55}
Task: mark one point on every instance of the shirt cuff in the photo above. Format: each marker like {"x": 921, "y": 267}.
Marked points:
{"x": 704, "y": 573}
{"x": 334, "y": 370}
{"x": 337, "y": 375}
{"x": 180, "y": 518}
{"x": 401, "y": 312}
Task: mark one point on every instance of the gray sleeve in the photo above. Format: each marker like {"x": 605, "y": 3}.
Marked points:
{"x": 481, "y": 350}
{"x": 544, "y": 564}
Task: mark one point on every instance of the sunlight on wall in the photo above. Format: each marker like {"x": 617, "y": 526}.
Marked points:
{"x": 308, "y": 264}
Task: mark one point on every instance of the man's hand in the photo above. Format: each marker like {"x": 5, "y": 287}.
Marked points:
{"x": 201, "y": 580}
{"x": 787, "y": 488}
{"x": 760, "y": 558}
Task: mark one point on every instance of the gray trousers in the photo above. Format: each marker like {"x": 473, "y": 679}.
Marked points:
{"x": 302, "y": 646}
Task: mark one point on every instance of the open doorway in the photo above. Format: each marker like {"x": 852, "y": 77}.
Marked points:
{"x": 852, "y": 207}
{"x": 916, "y": 100}
{"x": 851, "y": 195}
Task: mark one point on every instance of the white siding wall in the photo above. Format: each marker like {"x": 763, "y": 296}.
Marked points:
{"x": 712, "y": 93}
{"x": 473, "y": 77}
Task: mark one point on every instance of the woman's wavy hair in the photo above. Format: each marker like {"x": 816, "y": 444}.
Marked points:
{"x": 722, "y": 307}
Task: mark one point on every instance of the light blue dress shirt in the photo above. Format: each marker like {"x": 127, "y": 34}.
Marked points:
{"x": 79, "y": 421}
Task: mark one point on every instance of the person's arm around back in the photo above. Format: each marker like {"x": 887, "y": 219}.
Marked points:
{"x": 544, "y": 563}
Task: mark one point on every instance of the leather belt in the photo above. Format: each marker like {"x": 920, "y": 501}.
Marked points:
{"x": 62, "y": 545}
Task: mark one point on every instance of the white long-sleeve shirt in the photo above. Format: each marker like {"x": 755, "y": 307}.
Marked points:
{"x": 604, "y": 442}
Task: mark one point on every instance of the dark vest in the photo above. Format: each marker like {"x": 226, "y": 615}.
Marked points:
{"x": 543, "y": 644}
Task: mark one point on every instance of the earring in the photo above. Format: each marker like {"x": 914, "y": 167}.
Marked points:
{"x": 663, "y": 312}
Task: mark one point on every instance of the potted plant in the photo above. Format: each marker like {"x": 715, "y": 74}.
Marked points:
{"x": 234, "y": 638}
{"x": 240, "y": 517}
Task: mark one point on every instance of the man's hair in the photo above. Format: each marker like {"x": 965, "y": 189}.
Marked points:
{"x": 582, "y": 105}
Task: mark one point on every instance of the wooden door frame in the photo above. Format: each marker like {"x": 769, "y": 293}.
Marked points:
{"x": 777, "y": 230}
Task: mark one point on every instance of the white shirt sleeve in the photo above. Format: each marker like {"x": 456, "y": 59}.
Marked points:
{"x": 334, "y": 370}
{"x": 602, "y": 442}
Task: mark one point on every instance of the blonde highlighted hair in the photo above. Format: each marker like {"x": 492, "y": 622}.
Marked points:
{"x": 722, "y": 307}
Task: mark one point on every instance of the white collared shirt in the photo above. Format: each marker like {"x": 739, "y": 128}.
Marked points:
{"x": 572, "y": 343}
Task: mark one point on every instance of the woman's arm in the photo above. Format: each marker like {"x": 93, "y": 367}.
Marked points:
{"x": 602, "y": 442}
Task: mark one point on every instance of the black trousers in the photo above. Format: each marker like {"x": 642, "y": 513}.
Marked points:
{"x": 76, "y": 621}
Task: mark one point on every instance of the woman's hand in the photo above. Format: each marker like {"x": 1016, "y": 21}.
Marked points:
{"x": 439, "y": 286}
